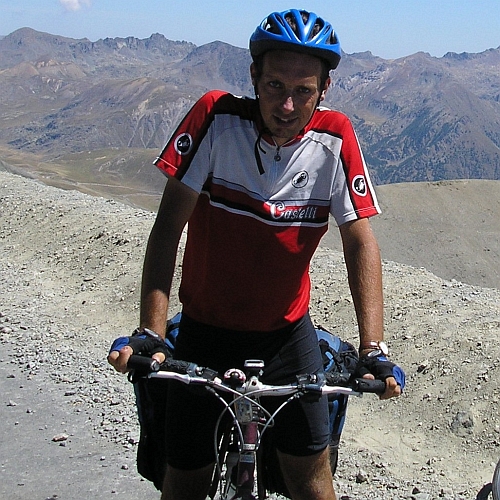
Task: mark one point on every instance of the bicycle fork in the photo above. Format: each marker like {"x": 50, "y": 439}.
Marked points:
{"x": 246, "y": 430}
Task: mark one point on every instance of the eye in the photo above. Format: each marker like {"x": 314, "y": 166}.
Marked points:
{"x": 304, "y": 90}
{"x": 275, "y": 84}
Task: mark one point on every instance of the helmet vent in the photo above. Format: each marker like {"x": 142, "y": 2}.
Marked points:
{"x": 297, "y": 30}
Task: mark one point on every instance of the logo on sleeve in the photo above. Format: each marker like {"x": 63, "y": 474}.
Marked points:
{"x": 183, "y": 144}
{"x": 359, "y": 185}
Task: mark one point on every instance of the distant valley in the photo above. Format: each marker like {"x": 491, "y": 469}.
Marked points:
{"x": 93, "y": 116}
{"x": 99, "y": 112}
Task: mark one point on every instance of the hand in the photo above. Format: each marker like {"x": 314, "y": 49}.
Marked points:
{"x": 144, "y": 342}
{"x": 381, "y": 368}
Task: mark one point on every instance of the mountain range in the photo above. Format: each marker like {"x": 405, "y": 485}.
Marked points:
{"x": 99, "y": 112}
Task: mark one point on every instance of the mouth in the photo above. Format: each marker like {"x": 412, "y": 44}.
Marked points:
{"x": 285, "y": 122}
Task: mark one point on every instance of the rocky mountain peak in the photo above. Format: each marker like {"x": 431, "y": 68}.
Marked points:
{"x": 419, "y": 118}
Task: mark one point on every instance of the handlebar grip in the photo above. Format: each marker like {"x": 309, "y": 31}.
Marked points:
{"x": 368, "y": 385}
{"x": 178, "y": 366}
{"x": 143, "y": 364}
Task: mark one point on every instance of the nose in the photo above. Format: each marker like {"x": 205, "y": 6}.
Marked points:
{"x": 287, "y": 104}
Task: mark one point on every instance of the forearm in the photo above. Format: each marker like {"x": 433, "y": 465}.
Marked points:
{"x": 157, "y": 276}
{"x": 364, "y": 269}
{"x": 365, "y": 281}
{"x": 177, "y": 204}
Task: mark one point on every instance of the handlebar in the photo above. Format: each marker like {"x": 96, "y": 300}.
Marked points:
{"x": 190, "y": 373}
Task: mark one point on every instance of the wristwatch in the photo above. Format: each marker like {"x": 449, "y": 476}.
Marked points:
{"x": 147, "y": 332}
{"x": 378, "y": 348}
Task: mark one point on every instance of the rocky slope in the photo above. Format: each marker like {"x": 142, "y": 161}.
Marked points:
{"x": 70, "y": 267}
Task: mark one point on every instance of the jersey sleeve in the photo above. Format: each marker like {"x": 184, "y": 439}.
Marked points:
{"x": 190, "y": 143}
{"x": 353, "y": 195}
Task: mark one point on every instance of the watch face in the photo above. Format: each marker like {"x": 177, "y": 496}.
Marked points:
{"x": 383, "y": 347}
{"x": 375, "y": 353}
{"x": 378, "y": 347}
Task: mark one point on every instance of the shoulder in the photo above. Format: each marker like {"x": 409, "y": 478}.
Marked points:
{"x": 212, "y": 97}
{"x": 220, "y": 102}
{"x": 331, "y": 117}
{"x": 327, "y": 122}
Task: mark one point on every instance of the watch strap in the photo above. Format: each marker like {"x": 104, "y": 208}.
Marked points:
{"x": 148, "y": 332}
{"x": 370, "y": 344}
{"x": 374, "y": 345}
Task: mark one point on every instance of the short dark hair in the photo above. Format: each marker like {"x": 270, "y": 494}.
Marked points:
{"x": 305, "y": 17}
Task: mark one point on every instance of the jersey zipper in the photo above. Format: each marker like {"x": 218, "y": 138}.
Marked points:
{"x": 277, "y": 155}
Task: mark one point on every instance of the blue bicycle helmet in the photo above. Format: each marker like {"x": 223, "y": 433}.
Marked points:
{"x": 299, "y": 31}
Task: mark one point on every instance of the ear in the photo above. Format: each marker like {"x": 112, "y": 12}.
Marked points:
{"x": 325, "y": 88}
{"x": 253, "y": 74}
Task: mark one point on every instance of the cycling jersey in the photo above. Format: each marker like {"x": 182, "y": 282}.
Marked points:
{"x": 254, "y": 230}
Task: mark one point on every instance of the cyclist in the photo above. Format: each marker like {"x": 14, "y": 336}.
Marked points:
{"x": 256, "y": 179}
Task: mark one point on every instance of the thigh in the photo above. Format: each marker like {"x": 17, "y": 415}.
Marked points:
{"x": 304, "y": 419}
{"x": 190, "y": 424}
{"x": 302, "y": 427}
{"x": 308, "y": 477}
{"x": 192, "y": 413}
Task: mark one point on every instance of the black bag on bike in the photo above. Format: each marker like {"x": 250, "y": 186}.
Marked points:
{"x": 151, "y": 401}
{"x": 340, "y": 359}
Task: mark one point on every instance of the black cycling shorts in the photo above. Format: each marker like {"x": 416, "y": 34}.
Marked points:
{"x": 301, "y": 428}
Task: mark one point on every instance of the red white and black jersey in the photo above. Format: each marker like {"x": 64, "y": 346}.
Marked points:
{"x": 252, "y": 234}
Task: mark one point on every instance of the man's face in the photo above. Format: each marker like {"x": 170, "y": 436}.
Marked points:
{"x": 288, "y": 90}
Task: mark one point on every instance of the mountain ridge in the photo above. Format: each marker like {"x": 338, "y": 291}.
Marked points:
{"x": 418, "y": 118}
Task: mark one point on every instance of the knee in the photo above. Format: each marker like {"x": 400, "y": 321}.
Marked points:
{"x": 186, "y": 484}
{"x": 308, "y": 477}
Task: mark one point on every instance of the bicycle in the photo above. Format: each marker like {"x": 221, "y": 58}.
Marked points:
{"x": 495, "y": 483}
{"x": 492, "y": 488}
{"x": 240, "y": 470}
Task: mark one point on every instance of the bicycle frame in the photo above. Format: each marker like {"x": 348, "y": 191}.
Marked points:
{"x": 249, "y": 419}
{"x": 245, "y": 434}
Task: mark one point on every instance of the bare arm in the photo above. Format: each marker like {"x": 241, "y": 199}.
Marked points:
{"x": 364, "y": 269}
{"x": 177, "y": 204}
{"x": 176, "y": 207}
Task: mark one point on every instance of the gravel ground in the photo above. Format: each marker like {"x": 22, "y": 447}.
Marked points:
{"x": 70, "y": 267}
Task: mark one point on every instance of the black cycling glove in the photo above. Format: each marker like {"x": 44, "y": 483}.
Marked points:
{"x": 144, "y": 342}
{"x": 381, "y": 368}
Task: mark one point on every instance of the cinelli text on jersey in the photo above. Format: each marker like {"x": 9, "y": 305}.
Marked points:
{"x": 280, "y": 210}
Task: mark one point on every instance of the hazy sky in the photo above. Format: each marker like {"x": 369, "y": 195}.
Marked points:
{"x": 387, "y": 28}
